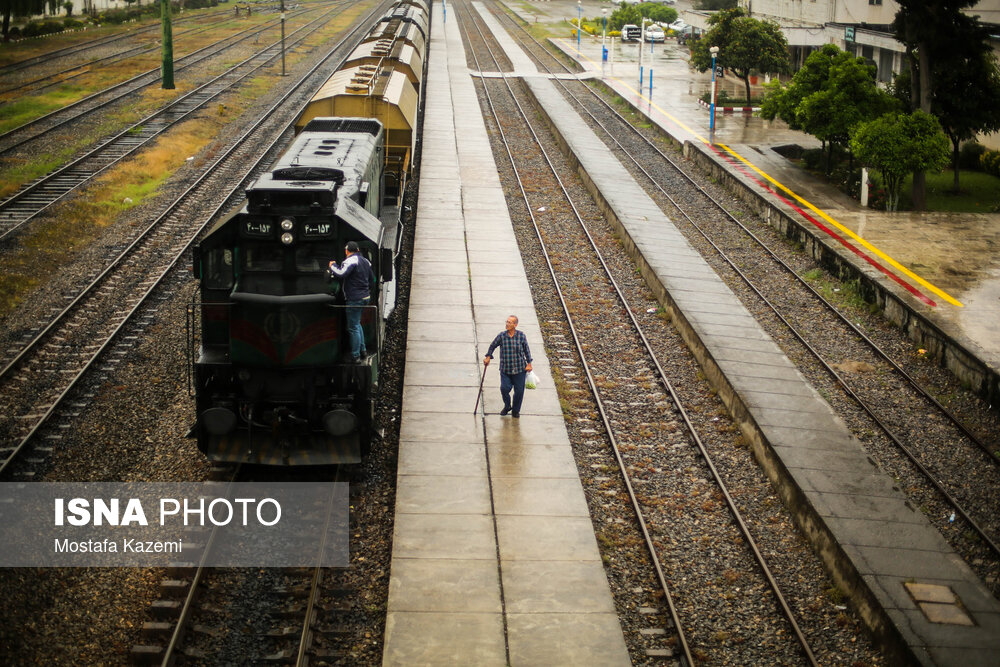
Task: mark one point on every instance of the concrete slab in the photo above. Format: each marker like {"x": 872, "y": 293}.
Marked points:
{"x": 539, "y": 496}
{"x": 452, "y": 536}
{"x": 431, "y": 458}
{"x": 514, "y": 460}
{"x": 446, "y": 639}
{"x": 566, "y": 639}
{"x": 431, "y": 585}
{"x": 546, "y": 538}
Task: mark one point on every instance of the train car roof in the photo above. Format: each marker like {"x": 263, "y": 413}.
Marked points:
{"x": 334, "y": 150}
{"x": 398, "y": 30}
{"x": 405, "y": 57}
{"x": 411, "y": 14}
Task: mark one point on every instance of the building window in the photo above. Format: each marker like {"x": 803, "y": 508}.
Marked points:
{"x": 874, "y": 2}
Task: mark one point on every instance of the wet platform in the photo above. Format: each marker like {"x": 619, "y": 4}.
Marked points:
{"x": 942, "y": 269}
{"x": 918, "y": 597}
{"x": 494, "y": 557}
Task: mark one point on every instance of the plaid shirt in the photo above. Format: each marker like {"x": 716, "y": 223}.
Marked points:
{"x": 514, "y": 352}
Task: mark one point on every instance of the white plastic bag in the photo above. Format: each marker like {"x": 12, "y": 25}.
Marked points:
{"x": 531, "y": 381}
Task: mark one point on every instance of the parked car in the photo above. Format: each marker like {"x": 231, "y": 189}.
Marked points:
{"x": 678, "y": 26}
{"x": 654, "y": 33}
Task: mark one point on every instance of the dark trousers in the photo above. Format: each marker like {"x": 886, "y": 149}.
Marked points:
{"x": 513, "y": 381}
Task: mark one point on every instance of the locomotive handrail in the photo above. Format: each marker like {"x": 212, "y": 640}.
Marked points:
{"x": 272, "y": 299}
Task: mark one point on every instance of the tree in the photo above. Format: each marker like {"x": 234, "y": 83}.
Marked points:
{"x": 634, "y": 14}
{"x": 899, "y": 144}
{"x": 745, "y": 45}
{"x": 967, "y": 99}
{"x": 715, "y": 5}
{"x": 833, "y": 92}
{"x": 19, "y": 8}
{"x": 934, "y": 31}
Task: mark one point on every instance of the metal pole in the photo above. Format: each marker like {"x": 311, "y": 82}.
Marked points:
{"x": 282, "y": 37}
{"x": 604, "y": 34}
{"x": 579, "y": 22}
{"x": 642, "y": 32}
{"x": 711, "y": 122}
{"x": 166, "y": 47}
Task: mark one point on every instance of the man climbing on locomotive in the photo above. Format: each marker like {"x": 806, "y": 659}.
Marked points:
{"x": 355, "y": 273}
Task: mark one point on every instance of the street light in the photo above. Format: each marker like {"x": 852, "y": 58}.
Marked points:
{"x": 711, "y": 122}
{"x": 642, "y": 34}
{"x": 579, "y": 22}
{"x": 604, "y": 32}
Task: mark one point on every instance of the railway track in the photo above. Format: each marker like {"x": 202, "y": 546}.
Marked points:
{"x": 946, "y": 468}
{"x": 72, "y": 113}
{"x": 59, "y": 77}
{"x": 250, "y": 615}
{"x": 24, "y": 206}
{"x": 50, "y": 56}
{"x": 607, "y": 337}
{"x": 38, "y": 376}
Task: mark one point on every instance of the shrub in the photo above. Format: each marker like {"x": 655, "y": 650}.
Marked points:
{"x": 115, "y": 16}
{"x": 72, "y": 24}
{"x": 14, "y": 32}
{"x": 990, "y": 161}
{"x": 969, "y": 155}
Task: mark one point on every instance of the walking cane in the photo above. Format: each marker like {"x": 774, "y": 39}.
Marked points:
{"x": 480, "y": 393}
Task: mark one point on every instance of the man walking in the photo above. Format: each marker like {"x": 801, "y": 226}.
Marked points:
{"x": 515, "y": 364}
{"x": 355, "y": 273}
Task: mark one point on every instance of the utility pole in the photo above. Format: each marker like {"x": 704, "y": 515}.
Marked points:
{"x": 282, "y": 37}
{"x": 167, "y": 64}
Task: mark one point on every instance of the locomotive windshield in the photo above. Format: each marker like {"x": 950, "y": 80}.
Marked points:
{"x": 314, "y": 257}
{"x": 262, "y": 258}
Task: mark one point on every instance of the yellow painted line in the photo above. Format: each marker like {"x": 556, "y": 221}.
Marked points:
{"x": 865, "y": 244}
{"x": 868, "y": 246}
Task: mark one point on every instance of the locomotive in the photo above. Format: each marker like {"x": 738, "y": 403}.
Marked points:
{"x": 274, "y": 383}
{"x": 272, "y": 375}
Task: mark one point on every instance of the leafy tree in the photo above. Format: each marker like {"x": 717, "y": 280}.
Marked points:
{"x": 941, "y": 43}
{"x": 745, "y": 45}
{"x": 967, "y": 100}
{"x": 899, "y": 144}
{"x": 715, "y": 5}
{"x": 833, "y": 92}
{"x": 19, "y": 8}
{"x": 634, "y": 14}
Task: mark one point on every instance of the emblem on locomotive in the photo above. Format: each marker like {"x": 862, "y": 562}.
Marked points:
{"x": 282, "y": 327}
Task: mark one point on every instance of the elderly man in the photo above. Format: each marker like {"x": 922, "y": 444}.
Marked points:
{"x": 515, "y": 364}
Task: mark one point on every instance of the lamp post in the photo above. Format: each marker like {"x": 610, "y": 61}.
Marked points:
{"x": 604, "y": 33}
{"x": 711, "y": 122}
{"x": 642, "y": 34}
{"x": 579, "y": 22}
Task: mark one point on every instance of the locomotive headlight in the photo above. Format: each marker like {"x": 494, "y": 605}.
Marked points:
{"x": 287, "y": 224}
{"x": 339, "y": 422}
{"x": 287, "y": 238}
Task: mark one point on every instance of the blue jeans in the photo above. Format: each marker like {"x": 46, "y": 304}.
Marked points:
{"x": 354, "y": 330}
{"x": 513, "y": 381}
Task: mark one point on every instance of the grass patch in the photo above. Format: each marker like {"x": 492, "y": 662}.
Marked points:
{"x": 74, "y": 225}
{"x": 979, "y": 192}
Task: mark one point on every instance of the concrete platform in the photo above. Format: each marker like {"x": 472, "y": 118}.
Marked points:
{"x": 895, "y": 566}
{"x": 494, "y": 556}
